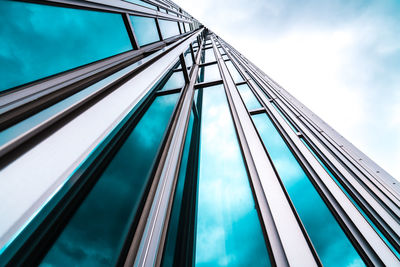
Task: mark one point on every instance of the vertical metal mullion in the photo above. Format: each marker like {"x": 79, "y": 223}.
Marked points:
{"x": 184, "y": 68}
{"x": 149, "y": 252}
{"x": 159, "y": 29}
{"x": 131, "y": 31}
{"x": 287, "y": 241}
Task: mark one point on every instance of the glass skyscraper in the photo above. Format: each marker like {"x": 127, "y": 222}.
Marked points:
{"x": 132, "y": 135}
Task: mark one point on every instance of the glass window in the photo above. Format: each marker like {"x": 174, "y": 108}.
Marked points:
{"x": 145, "y": 30}
{"x": 168, "y": 28}
{"x": 188, "y": 59}
{"x": 248, "y": 97}
{"x": 209, "y": 55}
{"x": 142, "y": 3}
{"x": 352, "y": 200}
{"x": 176, "y": 80}
{"x": 225, "y": 57}
{"x": 187, "y": 27}
{"x": 97, "y": 230}
{"x": 181, "y": 27}
{"x": 234, "y": 72}
{"x": 41, "y": 40}
{"x": 209, "y": 73}
{"x": 330, "y": 242}
{"x": 228, "y": 230}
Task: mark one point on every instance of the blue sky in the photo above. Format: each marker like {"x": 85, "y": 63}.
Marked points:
{"x": 340, "y": 58}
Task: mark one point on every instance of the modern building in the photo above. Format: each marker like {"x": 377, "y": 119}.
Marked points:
{"x": 132, "y": 135}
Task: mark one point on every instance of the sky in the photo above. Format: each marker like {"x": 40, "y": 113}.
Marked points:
{"x": 339, "y": 58}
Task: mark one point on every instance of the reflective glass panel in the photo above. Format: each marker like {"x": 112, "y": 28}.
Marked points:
{"x": 234, "y": 72}
{"x": 142, "y": 3}
{"x": 187, "y": 27}
{"x": 352, "y": 200}
{"x": 176, "y": 80}
{"x": 95, "y": 233}
{"x": 209, "y": 73}
{"x": 41, "y": 40}
{"x": 228, "y": 228}
{"x": 168, "y": 28}
{"x": 188, "y": 59}
{"x": 330, "y": 242}
{"x": 248, "y": 97}
{"x": 145, "y": 30}
{"x": 209, "y": 55}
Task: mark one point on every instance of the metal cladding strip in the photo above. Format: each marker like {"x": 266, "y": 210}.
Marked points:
{"x": 35, "y": 176}
{"x": 149, "y": 245}
{"x": 386, "y": 183}
{"x": 377, "y": 208}
{"x": 390, "y": 202}
{"x": 370, "y": 235}
{"x": 290, "y": 246}
{"x": 393, "y": 224}
{"x": 387, "y": 197}
{"x": 122, "y": 6}
{"x": 333, "y": 138}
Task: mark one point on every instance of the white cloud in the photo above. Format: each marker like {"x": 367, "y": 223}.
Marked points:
{"x": 341, "y": 59}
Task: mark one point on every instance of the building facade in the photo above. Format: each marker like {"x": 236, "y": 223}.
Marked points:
{"x": 132, "y": 135}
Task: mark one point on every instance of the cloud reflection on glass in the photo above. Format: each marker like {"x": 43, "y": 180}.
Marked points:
{"x": 228, "y": 227}
{"x": 95, "y": 233}
{"x": 42, "y": 40}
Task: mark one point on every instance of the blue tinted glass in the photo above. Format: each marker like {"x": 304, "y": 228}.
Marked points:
{"x": 40, "y": 40}
{"x": 352, "y": 200}
{"x": 209, "y": 55}
{"x": 248, "y": 96}
{"x": 228, "y": 228}
{"x": 95, "y": 233}
{"x": 175, "y": 81}
{"x": 145, "y": 30}
{"x": 168, "y": 28}
{"x": 173, "y": 226}
{"x": 188, "y": 59}
{"x": 329, "y": 240}
{"x": 209, "y": 73}
{"x": 142, "y": 3}
{"x": 234, "y": 73}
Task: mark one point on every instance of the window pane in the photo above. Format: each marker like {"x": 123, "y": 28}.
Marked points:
{"x": 228, "y": 227}
{"x": 352, "y": 199}
{"x": 234, "y": 72}
{"x": 40, "y": 40}
{"x": 145, "y": 30}
{"x": 175, "y": 81}
{"x": 168, "y": 28}
{"x": 187, "y": 27}
{"x": 95, "y": 233}
{"x": 329, "y": 240}
{"x": 209, "y": 73}
{"x": 248, "y": 96}
{"x": 142, "y": 3}
{"x": 209, "y": 55}
{"x": 188, "y": 59}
